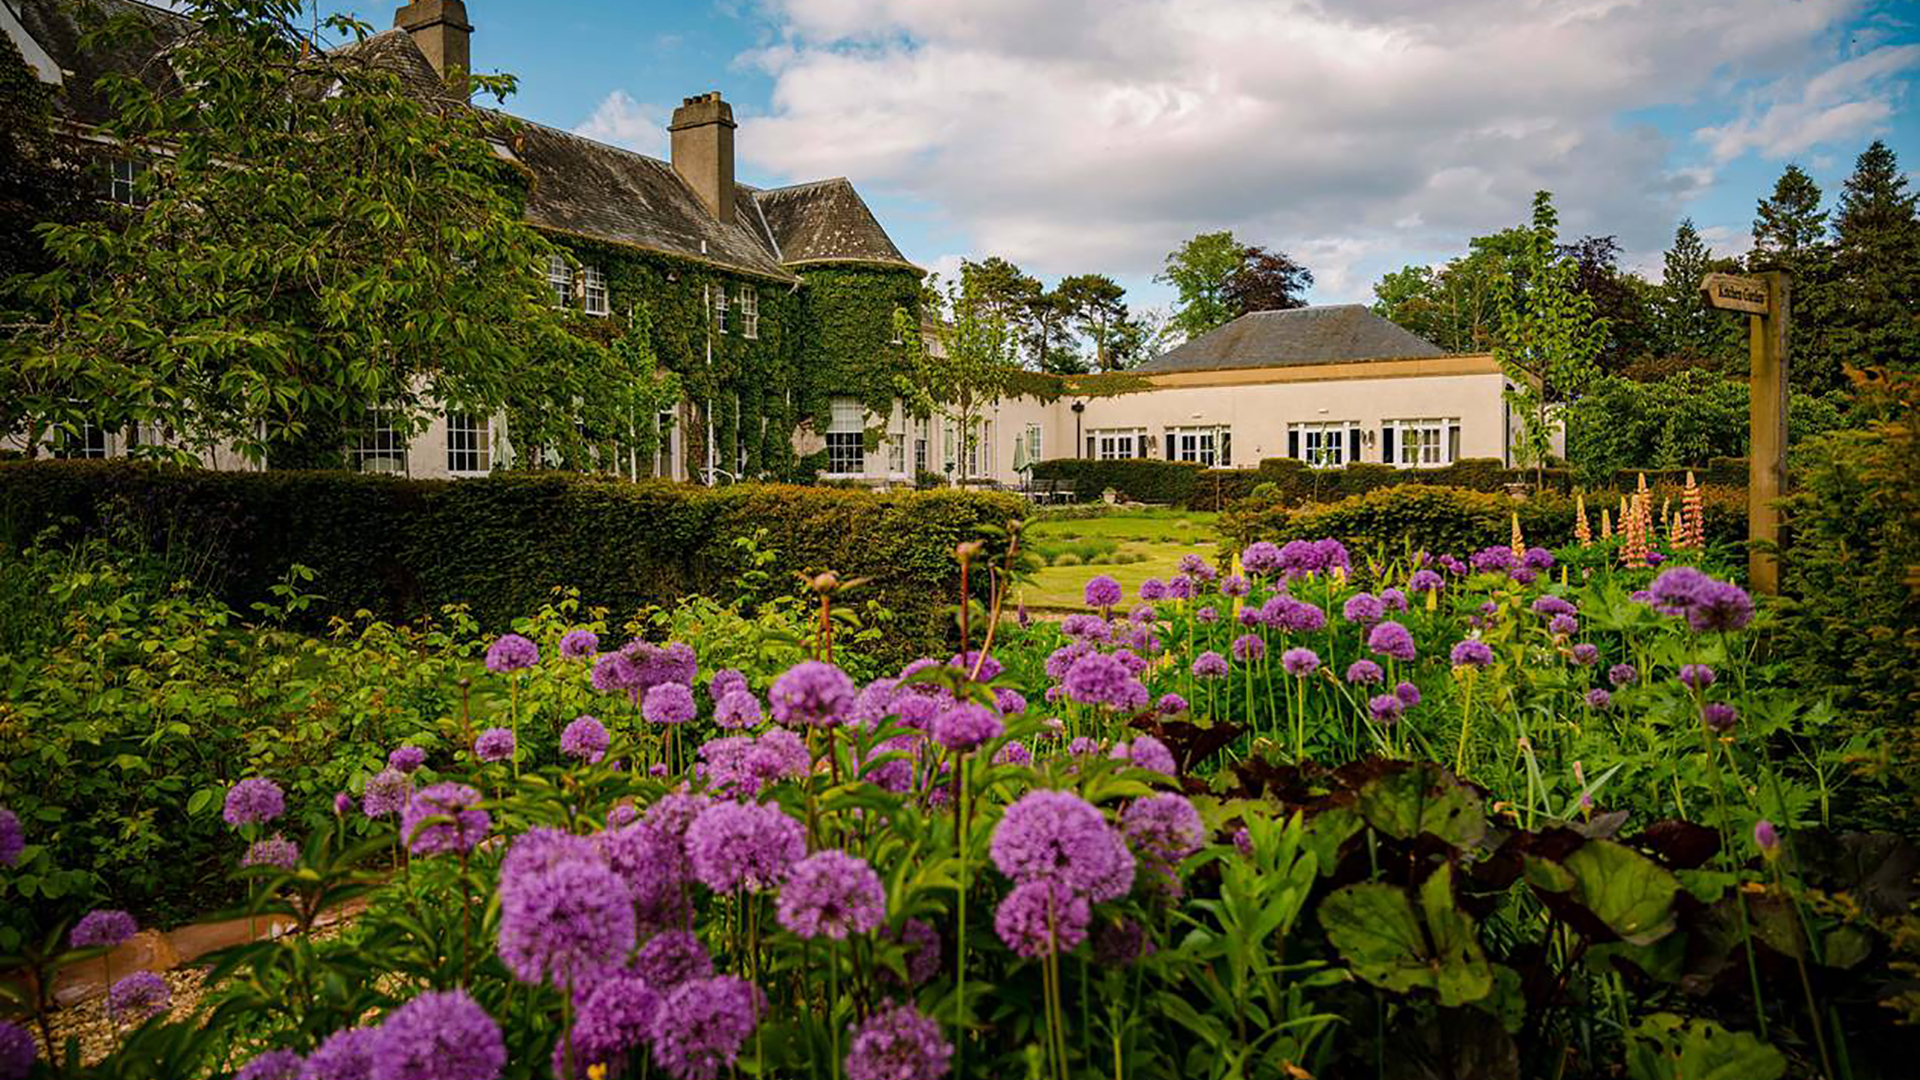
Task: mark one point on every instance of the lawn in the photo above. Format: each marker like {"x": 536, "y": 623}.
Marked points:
{"x": 1130, "y": 546}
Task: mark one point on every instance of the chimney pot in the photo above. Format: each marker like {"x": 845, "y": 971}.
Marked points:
{"x": 701, "y": 142}
{"x": 441, "y": 30}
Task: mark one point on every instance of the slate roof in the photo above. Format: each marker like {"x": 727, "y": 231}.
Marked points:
{"x": 1337, "y": 333}
{"x": 580, "y": 186}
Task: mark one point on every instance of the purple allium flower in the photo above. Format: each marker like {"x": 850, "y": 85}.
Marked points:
{"x": 1132, "y": 696}
{"x": 1537, "y": 558}
{"x": 494, "y": 744}
{"x": 1171, "y": 704}
{"x": 1766, "y": 838}
{"x": 1163, "y": 828}
{"x": 1193, "y": 564}
{"x": 990, "y": 668}
{"x": 734, "y": 844}
{"x": 272, "y": 1065}
{"x": 1039, "y": 918}
{"x": 1058, "y": 836}
{"x": 1425, "y": 581}
{"x": 1586, "y": 654}
{"x": 1300, "y": 662}
{"x": 898, "y": 1043}
{"x": 615, "y": 1018}
{"x": 1103, "y": 592}
{"x": 1472, "y": 653}
{"x": 342, "y": 803}
{"x": 1675, "y": 590}
{"x": 511, "y": 652}
{"x": 1209, "y": 665}
{"x": 254, "y": 801}
{"x": 13, "y": 841}
{"x": 386, "y": 793}
{"x": 1141, "y": 615}
{"x": 1132, "y": 661}
{"x": 1147, "y": 752}
{"x": 566, "y": 923}
{"x": 1720, "y": 605}
{"x": 1009, "y": 701}
{"x": 614, "y": 672}
{"x": 1549, "y": 605}
{"x": 1524, "y": 575}
{"x": 622, "y": 814}
{"x": 138, "y": 996}
{"x": 1120, "y": 942}
{"x": 965, "y": 726}
{"x": 579, "y": 644}
{"x": 738, "y": 709}
{"x": 1182, "y": 587}
{"x": 1393, "y": 600}
{"x": 724, "y": 682}
{"x": 669, "y": 703}
{"x": 346, "y": 1054}
{"x": 1719, "y": 717}
{"x": 539, "y": 850}
{"x": 1391, "y": 639}
{"x": 585, "y": 739}
{"x": 1622, "y": 675}
{"x": 444, "y": 818}
{"x": 1243, "y": 842}
{"x": 1364, "y": 608}
{"x": 407, "y": 758}
{"x": 812, "y": 693}
{"x": 701, "y": 1025}
{"x": 1235, "y": 586}
{"x": 1153, "y": 589}
{"x": 678, "y": 663}
{"x": 834, "y": 894}
{"x": 922, "y": 945}
{"x": 1260, "y": 557}
{"x": 275, "y": 851}
{"x": 1303, "y": 618}
{"x": 1598, "y": 698}
{"x": 439, "y": 1035}
{"x": 672, "y": 957}
{"x": 1495, "y": 559}
{"x": 1248, "y": 648}
{"x": 1364, "y": 672}
{"x": 1386, "y": 708}
{"x": 1697, "y": 676}
{"x": 1095, "y": 679}
{"x": 103, "y": 927}
{"x": 1250, "y": 617}
{"x": 1207, "y": 616}
{"x": 1408, "y": 694}
{"x": 18, "y": 1051}
{"x": 1563, "y": 626}
{"x": 1014, "y": 753}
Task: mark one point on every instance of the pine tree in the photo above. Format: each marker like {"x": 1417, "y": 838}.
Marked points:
{"x": 1876, "y": 313}
{"x": 1790, "y": 222}
{"x": 1687, "y": 327}
{"x": 1790, "y": 233}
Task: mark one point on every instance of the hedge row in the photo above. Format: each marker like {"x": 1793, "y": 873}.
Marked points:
{"x": 1290, "y": 481}
{"x": 1457, "y": 521}
{"x": 402, "y": 548}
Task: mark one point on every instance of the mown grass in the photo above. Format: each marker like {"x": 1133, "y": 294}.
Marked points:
{"x": 1130, "y": 547}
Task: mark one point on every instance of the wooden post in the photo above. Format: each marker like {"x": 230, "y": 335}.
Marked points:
{"x": 1767, "y": 429}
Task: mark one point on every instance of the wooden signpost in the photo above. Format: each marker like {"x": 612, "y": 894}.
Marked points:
{"x": 1766, "y": 299}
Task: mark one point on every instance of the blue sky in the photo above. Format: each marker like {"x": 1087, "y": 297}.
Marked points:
{"x": 1358, "y": 135}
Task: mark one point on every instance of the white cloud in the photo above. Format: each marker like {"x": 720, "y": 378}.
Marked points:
{"x": 1849, "y": 99}
{"x": 622, "y": 121}
{"x": 1071, "y": 135}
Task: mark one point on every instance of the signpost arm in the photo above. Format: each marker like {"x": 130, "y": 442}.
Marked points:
{"x": 1767, "y": 430}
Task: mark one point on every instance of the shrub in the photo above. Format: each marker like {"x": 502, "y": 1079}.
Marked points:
{"x": 1147, "y": 480}
{"x": 404, "y": 548}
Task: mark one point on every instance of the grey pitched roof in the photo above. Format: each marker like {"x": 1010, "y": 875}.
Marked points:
{"x": 825, "y": 221}
{"x": 61, "y": 26}
{"x": 395, "y": 51}
{"x": 1333, "y": 334}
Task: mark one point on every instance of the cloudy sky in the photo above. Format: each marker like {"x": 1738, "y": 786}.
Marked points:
{"x": 1358, "y": 135}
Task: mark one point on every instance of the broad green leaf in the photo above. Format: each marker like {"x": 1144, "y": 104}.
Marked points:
{"x": 1629, "y": 892}
{"x": 1668, "y": 1047}
{"x": 1424, "y": 799}
{"x": 1377, "y": 930}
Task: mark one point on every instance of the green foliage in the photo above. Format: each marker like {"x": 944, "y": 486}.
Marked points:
{"x": 1685, "y": 420}
{"x": 968, "y": 370}
{"x": 1200, "y": 271}
{"x": 1452, "y": 306}
{"x": 1549, "y": 334}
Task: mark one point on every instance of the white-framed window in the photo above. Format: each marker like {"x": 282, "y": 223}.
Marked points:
{"x": 90, "y": 441}
{"x": 383, "y": 446}
{"x": 749, "y": 312}
{"x": 1032, "y": 437}
{"x": 846, "y": 438}
{"x": 1421, "y": 444}
{"x": 560, "y": 280}
{"x": 1324, "y": 444}
{"x": 118, "y": 181}
{"x": 980, "y": 459}
{"x": 663, "y": 455}
{"x": 593, "y": 286}
{"x": 1114, "y": 444}
{"x": 720, "y": 308}
{"x": 469, "y": 444}
{"x": 1200, "y": 445}
{"x": 922, "y": 440}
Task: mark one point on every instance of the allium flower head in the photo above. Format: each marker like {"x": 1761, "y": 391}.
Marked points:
{"x": 1163, "y": 828}
{"x": 922, "y": 944}
{"x": 386, "y": 793}
{"x": 1393, "y": 640}
{"x": 734, "y": 844}
{"x": 965, "y": 726}
{"x": 1096, "y": 679}
{"x": 1040, "y": 918}
{"x": 254, "y": 801}
{"x": 444, "y": 818}
{"x": 898, "y": 1043}
{"x": 990, "y": 669}
{"x": 1009, "y": 701}
{"x": 1425, "y": 581}
{"x": 1524, "y": 575}
{"x": 1260, "y": 557}
{"x": 579, "y": 644}
{"x": 1549, "y": 605}
{"x": 1171, "y": 704}
{"x": 1147, "y": 752}
{"x": 1233, "y": 585}
{"x": 1153, "y": 589}
{"x": 511, "y": 652}
{"x": 103, "y": 927}
{"x": 1598, "y": 698}
{"x": 494, "y": 744}
{"x": 1103, "y": 592}
{"x": 138, "y": 996}
{"x": 1058, "y": 836}
{"x": 668, "y": 703}
{"x": 1248, "y": 648}
{"x": 724, "y": 682}
{"x": 1207, "y": 616}
{"x": 439, "y": 1035}
{"x": 832, "y": 894}
{"x": 1675, "y": 590}
{"x": 346, "y": 1054}
{"x": 1622, "y": 675}
{"x": 1563, "y": 626}
{"x": 672, "y": 957}
{"x": 271, "y": 1065}
{"x": 1408, "y": 694}
{"x": 13, "y": 840}
{"x": 1719, "y": 717}
{"x": 1209, "y": 665}
{"x": 565, "y": 924}
{"x": 1537, "y": 558}
{"x": 1386, "y": 708}
{"x": 1120, "y": 942}
{"x": 1697, "y": 676}
{"x": 812, "y": 693}
{"x": 585, "y": 739}
{"x": 276, "y": 851}
{"x": 18, "y": 1051}
{"x": 1720, "y": 605}
{"x": 540, "y": 849}
{"x": 1494, "y": 560}
{"x": 701, "y": 1025}
{"x": 1364, "y": 608}
{"x": 614, "y": 1018}
{"x": 1472, "y": 653}
{"x": 1364, "y": 672}
{"x": 1586, "y": 654}
{"x": 1300, "y": 661}
{"x": 738, "y": 709}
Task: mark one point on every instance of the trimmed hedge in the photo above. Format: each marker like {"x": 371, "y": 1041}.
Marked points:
{"x": 1147, "y": 480}
{"x": 402, "y": 548}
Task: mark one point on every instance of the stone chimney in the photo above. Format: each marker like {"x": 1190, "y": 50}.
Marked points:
{"x": 441, "y": 29}
{"x": 702, "y": 150}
